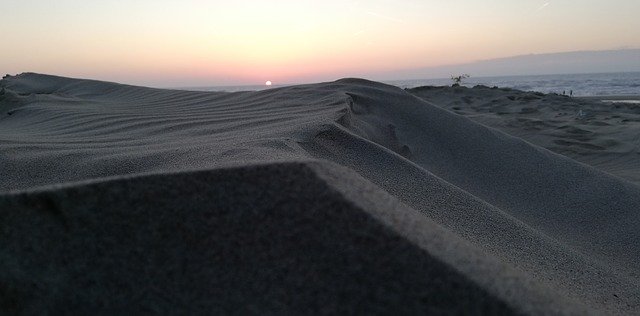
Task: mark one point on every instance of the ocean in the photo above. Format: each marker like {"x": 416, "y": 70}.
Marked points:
{"x": 601, "y": 84}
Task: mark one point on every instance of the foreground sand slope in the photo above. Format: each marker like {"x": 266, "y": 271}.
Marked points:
{"x": 512, "y": 226}
{"x": 299, "y": 237}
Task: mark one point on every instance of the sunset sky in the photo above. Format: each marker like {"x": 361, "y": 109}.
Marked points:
{"x": 198, "y": 42}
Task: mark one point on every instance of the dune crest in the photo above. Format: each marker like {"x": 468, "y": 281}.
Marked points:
{"x": 343, "y": 191}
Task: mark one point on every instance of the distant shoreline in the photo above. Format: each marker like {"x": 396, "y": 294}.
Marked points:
{"x": 631, "y": 98}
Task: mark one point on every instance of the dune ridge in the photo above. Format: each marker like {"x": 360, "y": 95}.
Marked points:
{"x": 559, "y": 236}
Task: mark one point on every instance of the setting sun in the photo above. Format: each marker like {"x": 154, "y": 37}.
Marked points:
{"x": 268, "y": 83}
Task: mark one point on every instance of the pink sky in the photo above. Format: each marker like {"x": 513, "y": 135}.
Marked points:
{"x": 197, "y": 42}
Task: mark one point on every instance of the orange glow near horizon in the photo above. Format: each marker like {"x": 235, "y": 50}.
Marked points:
{"x": 195, "y": 42}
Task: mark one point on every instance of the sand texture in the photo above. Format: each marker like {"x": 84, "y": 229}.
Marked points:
{"x": 343, "y": 197}
{"x": 604, "y": 135}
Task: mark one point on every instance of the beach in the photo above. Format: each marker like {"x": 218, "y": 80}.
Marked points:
{"x": 351, "y": 196}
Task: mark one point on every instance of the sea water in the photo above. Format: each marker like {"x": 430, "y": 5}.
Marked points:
{"x": 602, "y": 84}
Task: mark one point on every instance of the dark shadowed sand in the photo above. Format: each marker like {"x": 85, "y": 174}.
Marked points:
{"x": 342, "y": 197}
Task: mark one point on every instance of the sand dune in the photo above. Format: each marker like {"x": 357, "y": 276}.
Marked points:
{"x": 348, "y": 196}
{"x": 603, "y": 135}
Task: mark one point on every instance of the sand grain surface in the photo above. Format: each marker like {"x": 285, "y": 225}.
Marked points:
{"x": 343, "y": 197}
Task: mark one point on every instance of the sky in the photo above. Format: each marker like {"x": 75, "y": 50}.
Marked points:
{"x": 204, "y": 43}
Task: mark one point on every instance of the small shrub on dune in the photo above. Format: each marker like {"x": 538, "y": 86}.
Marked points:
{"x": 457, "y": 80}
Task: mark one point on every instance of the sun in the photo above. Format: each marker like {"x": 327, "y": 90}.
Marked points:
{"x": 268, "y": 83}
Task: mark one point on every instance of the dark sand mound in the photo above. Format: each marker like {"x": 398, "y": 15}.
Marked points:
{"x": 497, "y": 223}
{"x": 292, "y": 237}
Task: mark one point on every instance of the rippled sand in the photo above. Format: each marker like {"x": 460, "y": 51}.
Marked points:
{"x": 341, "y": 197}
